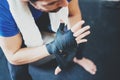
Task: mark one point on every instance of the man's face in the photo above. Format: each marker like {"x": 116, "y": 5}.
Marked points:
{"x": 49, "y": 5}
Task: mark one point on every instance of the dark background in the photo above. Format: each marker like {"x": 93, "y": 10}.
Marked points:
{"x": 103, "y": 46}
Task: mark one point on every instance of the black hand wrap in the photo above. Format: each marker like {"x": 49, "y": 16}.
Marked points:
{"x": 62, "y": 41}
{"x": 63, "y": 46}
{"x": 66, "y": 58}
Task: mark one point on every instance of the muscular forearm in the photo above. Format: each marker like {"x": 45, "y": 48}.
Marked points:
{"x": 74, "y": 19}
{"x": 28, "y": 55}
{"x": 74, "y": 12}
{"x": 16, "y": 55}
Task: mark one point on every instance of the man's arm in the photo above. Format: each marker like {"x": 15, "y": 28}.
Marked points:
{"x": 74, "y": 12}
{"x": 17, "y": 55}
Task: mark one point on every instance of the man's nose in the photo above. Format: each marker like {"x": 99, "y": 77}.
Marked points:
{"x": 63, "y": 3}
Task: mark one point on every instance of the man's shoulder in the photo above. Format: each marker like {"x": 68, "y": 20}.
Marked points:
{"x": 4, "y": 4}
{"x": 7, "y": 23}
{"x": 4, "y": 7}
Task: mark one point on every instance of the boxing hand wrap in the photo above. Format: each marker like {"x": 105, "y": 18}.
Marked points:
{"x": 67, "y": 58}
{"x": 62, "y": 41}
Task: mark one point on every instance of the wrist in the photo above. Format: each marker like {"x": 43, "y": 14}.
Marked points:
{"x": 51, "y": 48}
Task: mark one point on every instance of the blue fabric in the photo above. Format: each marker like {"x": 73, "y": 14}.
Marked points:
{"x": 68, "y": 0}
{"x": 46, "y": 72}
{"x": 8, "y": 26}
{"x": 7, "y": 23}
{"x": 19, "y": 72}
{"x": 4, "y": 73}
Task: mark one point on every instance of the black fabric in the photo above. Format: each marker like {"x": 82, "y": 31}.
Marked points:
{"x": 80, "y": 49}
{"x": 62, "y": 41}
{"x": 43, "y": 23}
{"x": 67, "y": 58}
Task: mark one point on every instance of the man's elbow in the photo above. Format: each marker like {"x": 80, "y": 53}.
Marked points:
{"x": 14, "y": 61}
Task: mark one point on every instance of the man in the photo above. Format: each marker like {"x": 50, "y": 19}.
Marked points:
{"x": 10, "y": 33}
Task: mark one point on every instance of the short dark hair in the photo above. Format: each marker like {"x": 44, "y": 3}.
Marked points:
{"x": 33, "y": 1}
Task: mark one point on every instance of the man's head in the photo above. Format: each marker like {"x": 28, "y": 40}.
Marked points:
{"x": 48, "y": 5}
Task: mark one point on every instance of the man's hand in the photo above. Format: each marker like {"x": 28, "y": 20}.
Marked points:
{"x": 80, "y": 33}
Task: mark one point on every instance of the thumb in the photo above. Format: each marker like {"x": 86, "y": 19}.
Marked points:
{"x": 57, "y": 70}
{"x": 61, "y": 29}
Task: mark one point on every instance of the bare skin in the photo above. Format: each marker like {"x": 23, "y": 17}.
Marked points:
{"x": 86, "y": 63}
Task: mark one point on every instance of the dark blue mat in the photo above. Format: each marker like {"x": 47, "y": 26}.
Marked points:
{"x": 104, "y": 42}
{"x": 4, "y": 74}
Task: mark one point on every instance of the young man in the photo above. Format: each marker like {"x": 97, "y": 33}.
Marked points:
{"x": 10, "y": 34}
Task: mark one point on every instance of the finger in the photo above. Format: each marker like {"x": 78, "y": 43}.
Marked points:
{"x": 77, "y": 26}
{"x": 75, "y": 59}
{"x": 94, "y": 70}
{"x": 82, "y": 41}
{"x": 82, "y": 35}
{"x": 60, "y": 29}
{"x": 80, "y": 31}
{"x": 57, "y": 70}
